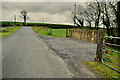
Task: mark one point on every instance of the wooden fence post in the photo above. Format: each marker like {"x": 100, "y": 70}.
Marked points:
{"x": 67, "y": 32}
{"x": 70, "y": 33}
{"x": 50, "y": 31}
{"x": 99, "y": 45}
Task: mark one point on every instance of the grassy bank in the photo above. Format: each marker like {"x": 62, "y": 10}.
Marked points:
{"x": 8, "y": 30}
{"x": 55, "y": 32}
{"x": 103, "y": 70}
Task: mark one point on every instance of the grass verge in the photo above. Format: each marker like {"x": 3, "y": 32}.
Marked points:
{"x": 103, "y": 70}
{"x": 9, "y": 31}
{"x": 55, "y": 32}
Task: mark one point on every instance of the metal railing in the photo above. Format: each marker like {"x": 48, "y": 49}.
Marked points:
{"x": 107, "y": 47}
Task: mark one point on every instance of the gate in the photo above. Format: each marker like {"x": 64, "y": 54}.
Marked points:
{"x": 111, "y": 54}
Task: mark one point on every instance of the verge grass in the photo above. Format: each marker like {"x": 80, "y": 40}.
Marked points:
{"x": 9, "y": 31}
{"x": 103, "y": 70}
{"x": 55, "y": 32}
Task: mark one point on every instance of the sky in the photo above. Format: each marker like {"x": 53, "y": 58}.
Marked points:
{"x": 51, "y": 12}
{"x": 46, "y": 0}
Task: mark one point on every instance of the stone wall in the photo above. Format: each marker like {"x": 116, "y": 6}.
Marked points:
{"x": 86, "y": 35}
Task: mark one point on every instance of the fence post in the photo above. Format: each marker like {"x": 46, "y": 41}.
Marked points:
{"x": 67, "y": 32}
{"x": 99, "y": 45}
{"x": 50, "y": 31}
{"x": 70, "y": 33}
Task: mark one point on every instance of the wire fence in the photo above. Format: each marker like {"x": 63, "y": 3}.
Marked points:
{"x": 111, "y": 54}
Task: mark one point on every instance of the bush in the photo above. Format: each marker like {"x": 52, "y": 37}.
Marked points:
{"x": 5, "y": 29}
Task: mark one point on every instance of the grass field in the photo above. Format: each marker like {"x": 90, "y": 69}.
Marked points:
{"x": 55, "y": 32}
{"x": 9, "y": 31}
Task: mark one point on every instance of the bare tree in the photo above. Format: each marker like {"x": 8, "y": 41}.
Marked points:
{"x": 24, "y": 15}
{"x": 106, "y": 17}
{"x": 88, "y": 16}
{"x": 80, "y": 15}
{"x": 110, "y": 16}
{"x": 77, "y": 16}
{"x": 116, "y": 9}
{"x": 15, "y": 19}
{"x": 94, "y": 12}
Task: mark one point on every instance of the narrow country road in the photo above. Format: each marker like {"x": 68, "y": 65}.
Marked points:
{"x": 25, "y": 55}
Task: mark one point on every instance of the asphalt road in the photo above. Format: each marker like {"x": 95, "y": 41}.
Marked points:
{"x": 25, "y": 55}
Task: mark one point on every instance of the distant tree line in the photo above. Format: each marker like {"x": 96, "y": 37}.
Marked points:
{"x": 53, "y": 26}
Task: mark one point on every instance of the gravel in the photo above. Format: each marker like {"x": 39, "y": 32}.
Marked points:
{"x": 74, "y": 52}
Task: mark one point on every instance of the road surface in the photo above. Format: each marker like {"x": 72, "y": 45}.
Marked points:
{"x": 74, "y": 52}
{"x": 25, "y": 55}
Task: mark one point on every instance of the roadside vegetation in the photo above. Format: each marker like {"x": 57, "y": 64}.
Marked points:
{"x": 103, "y": 70}
{"x": 50, "y": 32}
{"x": 8, "y": 30}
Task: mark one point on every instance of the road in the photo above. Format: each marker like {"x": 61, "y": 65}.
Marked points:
{"x": 25, "y": 55}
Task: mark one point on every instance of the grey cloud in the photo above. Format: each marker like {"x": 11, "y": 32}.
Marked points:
{"x": 54, "y": 12}
{"x": 49, "y": 7}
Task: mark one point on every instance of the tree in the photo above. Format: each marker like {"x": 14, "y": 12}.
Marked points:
{"x": 24, "y": 15}
{"x": 110, "y": 16}
{"x": 106, "y": 17}
{"x": 89, "y": 14}
{"x": 88, "y": 17}
{"x": 116, "y": 9}
{"x": 15, "y": 19}
{"x": 77, "y": 16}
{"x": 94, "y": 12}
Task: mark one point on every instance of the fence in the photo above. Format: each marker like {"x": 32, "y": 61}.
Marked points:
{"x": 105, "y": 51}
{"x": 110, "y": 55}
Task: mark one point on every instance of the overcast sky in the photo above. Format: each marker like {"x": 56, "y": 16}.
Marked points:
{"x": 53, "y": 12}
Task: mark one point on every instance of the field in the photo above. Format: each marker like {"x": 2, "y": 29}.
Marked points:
{"x": 55, "y": 32}
{"x": 8, "y": 30}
